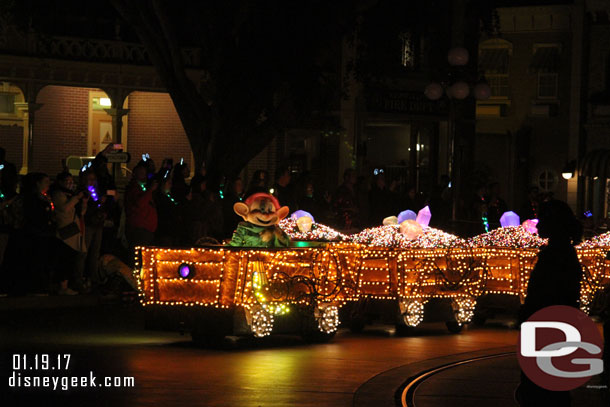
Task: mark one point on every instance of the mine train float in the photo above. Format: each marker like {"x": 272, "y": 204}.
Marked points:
{"x": 310, "y": 288}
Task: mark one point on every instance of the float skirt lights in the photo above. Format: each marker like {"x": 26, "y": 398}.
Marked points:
{"x": 268, "y": 283}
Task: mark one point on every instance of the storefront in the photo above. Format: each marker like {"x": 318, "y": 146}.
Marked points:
{"x": 406, "y": 135}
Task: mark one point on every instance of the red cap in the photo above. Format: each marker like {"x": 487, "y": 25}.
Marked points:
{"x": 258, "y": 195}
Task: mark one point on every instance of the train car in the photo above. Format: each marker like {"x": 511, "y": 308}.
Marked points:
{"x": 396, "y": 285}
{"x": 217, "y": 291}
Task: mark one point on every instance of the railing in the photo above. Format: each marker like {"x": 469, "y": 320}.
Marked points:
{"x": 85, "y": 49}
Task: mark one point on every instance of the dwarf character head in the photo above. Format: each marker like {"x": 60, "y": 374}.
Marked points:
{"x": 261, "y": 209}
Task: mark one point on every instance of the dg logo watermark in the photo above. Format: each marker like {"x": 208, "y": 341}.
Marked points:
{"x": 560, "y": 348}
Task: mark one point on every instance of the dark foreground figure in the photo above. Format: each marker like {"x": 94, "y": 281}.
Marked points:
{"x": 555, "y": 280}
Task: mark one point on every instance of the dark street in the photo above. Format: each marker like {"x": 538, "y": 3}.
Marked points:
{"x": 169, "y": 369}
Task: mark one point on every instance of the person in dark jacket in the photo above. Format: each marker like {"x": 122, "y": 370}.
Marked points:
{"x": 167, "y": 214}
{"x": 555, "y": 280}
{"x": 180, "y": 188}
{"x": 140, "y": 211}
{"x": 382, "y": 200}
{"x": 234, "y": 193}
{"x": 39, "y": 232}
{"x": 98, "y": 207}
{"x": 8, "y": 195}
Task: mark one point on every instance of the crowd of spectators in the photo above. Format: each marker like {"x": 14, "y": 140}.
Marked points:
{"x": 53, "y": 231}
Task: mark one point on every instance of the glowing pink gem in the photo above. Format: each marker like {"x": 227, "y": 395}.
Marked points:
{"x": 530, "y": 226}
{"x": 423, "y": 216}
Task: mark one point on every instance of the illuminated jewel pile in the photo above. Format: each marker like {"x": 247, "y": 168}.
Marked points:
{"x": 390, "y": 236}
{"x": 318, "y": 233}
{"x": 516, "y": 237}
{"x": 602, "y": 240}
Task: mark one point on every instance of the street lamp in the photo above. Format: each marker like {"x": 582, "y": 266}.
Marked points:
{"x": 568, "y": 170}
{"x": 457, "y": 86}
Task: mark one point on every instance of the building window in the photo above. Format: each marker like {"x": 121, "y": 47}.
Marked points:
{"x": 547, "y": 180}
{"x": 7, "y": 103}
{"x": 545, "y": 63}
{"x": 498, "y": 84}
{"x": 547, "y": 85}
{"x": 493, "y": 63}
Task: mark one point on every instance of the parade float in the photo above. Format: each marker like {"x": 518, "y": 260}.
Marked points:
{"x": 593, "y": 255}
{"x": 403, "y": 266}
{"x": 244, "y": 287}
{"x": 285, "y": 273}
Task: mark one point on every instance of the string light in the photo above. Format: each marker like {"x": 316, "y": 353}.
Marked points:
{"x": 262, "y": 322}
{"x": 328, "y": 318}
{"x": 412, "y": 312}
{"x": 378, "y": 263}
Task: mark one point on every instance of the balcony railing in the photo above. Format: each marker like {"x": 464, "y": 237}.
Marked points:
{"x": 83, "y": 49}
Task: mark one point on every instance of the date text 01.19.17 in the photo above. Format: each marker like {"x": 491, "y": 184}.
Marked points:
{"x": 42, "y": 361}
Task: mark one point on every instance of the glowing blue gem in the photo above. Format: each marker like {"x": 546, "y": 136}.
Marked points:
{"x": 299, "y": 214}
{"x": 406, "y": 215}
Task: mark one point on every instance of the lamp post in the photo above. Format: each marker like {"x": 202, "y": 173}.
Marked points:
{"x": 457, "y": 85}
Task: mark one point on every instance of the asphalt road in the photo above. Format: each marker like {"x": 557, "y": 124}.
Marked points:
{"x": 169, "y": 370}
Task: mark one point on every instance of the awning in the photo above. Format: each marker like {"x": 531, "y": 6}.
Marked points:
{"x": 493, "y": 60}
{"x": 595, "y": 163}
{"x": 546, "y": 59}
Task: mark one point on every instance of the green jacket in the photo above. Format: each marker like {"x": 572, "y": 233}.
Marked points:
{"x": 249, "y": 235}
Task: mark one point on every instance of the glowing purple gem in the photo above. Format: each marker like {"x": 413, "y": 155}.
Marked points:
{"x": 184, "y": 270}
{"x": 509, "y": 218}
{"x": 299, "y": 214}
{"x": 423, "y": 216}
{"x": 406, "y": 215}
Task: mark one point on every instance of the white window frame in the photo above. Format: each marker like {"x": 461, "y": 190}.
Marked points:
{"x": 556, "y": 86}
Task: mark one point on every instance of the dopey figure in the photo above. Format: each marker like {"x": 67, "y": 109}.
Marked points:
{"x": 261, "y": 213}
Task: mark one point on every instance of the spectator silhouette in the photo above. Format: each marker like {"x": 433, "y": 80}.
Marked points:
{"x": 234, "y": 193}
{"x": 39, "y": 233}
{"x": 346, "y": 201}
{"x": 8, "y": 194}
{"x": 140, "y": 211}
{"x": 283, "y": 189}
{"x": 318, "y": 206}
{"x": 495, "y": 205}
{"x": 180, "y": 188}
{"x": 258, "y": 183}
{"x": 70, "y": 208}
{"x": 8, "y": 177}
{"x": 529, "y": 209}
{"x": 167, "y": 214}
{"x": 382, "y": 200}
{"x": 555, "y": 280}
